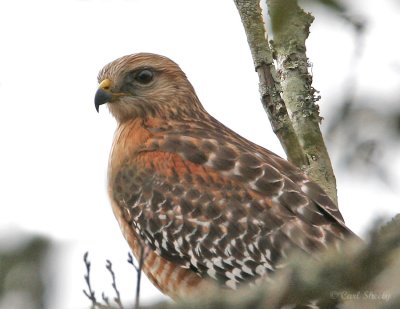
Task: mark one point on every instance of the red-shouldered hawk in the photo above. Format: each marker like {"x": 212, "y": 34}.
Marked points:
{"x": 207, "y": 203}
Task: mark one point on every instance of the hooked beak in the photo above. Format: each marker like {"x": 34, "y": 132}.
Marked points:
{"x": 103, "y": 94}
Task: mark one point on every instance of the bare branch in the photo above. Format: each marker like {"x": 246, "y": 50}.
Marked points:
{"x": 290, "y": 25}
{"x": 117, "y": 299}
{"x": 250, "y": 14}
{"x": 90, "y": 294}
{"x": 132, "y": 262}
{"x": 142, "y": 255}
{"x": 105, "y": 299}
{"x": 294, "y": 116}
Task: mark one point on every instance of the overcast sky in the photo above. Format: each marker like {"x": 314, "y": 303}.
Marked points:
{"x": 54, "y": 146}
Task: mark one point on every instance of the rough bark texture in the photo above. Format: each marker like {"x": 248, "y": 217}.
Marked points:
{"x": 289, "y": 99}
{"x": 290, "y": 25}
{"x": 250, "y": 13}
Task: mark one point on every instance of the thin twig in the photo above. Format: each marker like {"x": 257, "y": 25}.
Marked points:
{"x": 138, "y": 268}
{"x": 117, "y": 299}
{"x": 132, "y": 262}
{"x": 105, "y": 299}
{"x": 90, "y": 294}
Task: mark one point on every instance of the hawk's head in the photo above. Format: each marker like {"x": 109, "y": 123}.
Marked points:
{"x": 146, "y": 85}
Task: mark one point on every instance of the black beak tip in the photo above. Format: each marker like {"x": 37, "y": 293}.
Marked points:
{"x": 102, "y": 96}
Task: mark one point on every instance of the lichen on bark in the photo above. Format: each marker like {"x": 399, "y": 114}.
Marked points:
{"x": 290, "y": 27}
{"x": 269, "y": 86}
{"x": 287, "y": 94}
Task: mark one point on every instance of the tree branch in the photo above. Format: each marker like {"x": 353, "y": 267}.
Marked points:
{"x": 117, "y": 298}
{"x": 142, "y": 256}
{"x": 290, "y": 25}
{"x": 250, "y": 14}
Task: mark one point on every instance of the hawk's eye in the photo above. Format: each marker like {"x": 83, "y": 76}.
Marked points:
{"x": 144, "y": 76}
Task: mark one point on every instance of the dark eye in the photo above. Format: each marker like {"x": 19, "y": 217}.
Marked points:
{"x": 144, "y": 76}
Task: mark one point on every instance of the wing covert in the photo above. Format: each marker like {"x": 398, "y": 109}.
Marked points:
{"x": 203, "y": 216}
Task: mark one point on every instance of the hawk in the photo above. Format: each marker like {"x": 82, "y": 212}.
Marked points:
{"x": 206, "y": 203}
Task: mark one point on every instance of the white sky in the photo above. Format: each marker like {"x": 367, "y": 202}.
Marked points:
{"x": 54, "y": 146}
